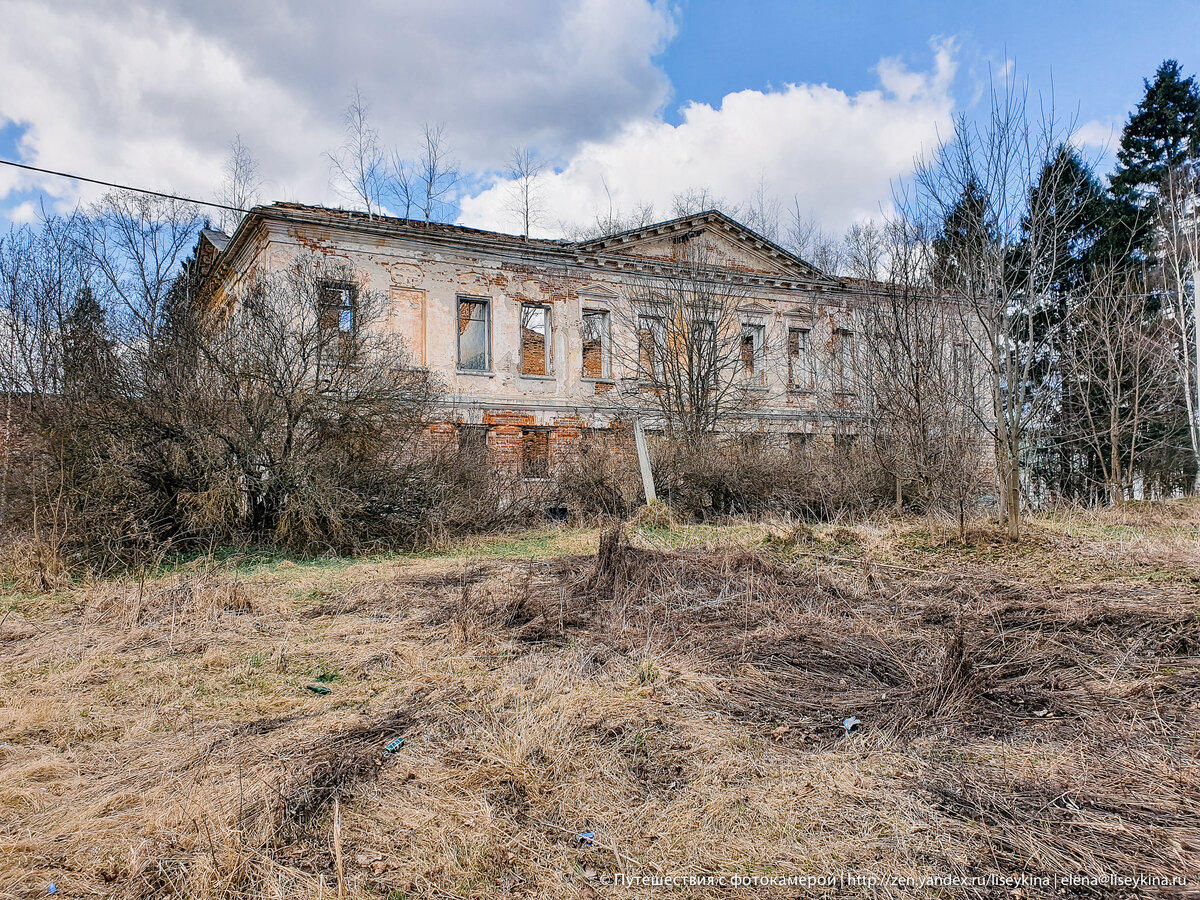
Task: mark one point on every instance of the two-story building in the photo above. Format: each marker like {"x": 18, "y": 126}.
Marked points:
{"x": 522, "y": 331}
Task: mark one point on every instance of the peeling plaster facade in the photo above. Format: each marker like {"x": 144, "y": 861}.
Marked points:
{"x": 424, "y": 270}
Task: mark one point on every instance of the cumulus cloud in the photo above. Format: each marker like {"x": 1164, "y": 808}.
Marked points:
{"x": 151, "y": 93}
{"x": 835, "y": 153}
{"x": 1099, "y": 134}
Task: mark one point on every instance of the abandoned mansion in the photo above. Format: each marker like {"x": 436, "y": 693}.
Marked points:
{"x": 529, "y": 336}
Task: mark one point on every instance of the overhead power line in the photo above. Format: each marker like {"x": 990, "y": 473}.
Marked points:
{"x": 123, "y": 187}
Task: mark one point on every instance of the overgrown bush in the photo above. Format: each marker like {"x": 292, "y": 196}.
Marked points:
{"x": 600, "y": 477}
{"x": 275, "y": 421}
{"x": 738, "y": 476}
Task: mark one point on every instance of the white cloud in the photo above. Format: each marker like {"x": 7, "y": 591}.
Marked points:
{"x": 152, "y": 93}
{"x": 836, "y": 153}
{"x": 1099, "y": 134}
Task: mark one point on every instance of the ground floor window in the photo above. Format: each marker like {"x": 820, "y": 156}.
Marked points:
{"x": 535, "y": 453}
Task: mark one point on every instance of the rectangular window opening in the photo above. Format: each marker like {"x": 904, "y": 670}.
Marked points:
{"x": 800, "y": 374}
{"x": 651, "y": 341}
{"x": 844, "y": 350}
{"x": 754, "y": 363}
{"x": 474, "y": 335}
{"x": 535, "y": 453}
{"x": 536, "y": 340}
{"x": 595, "y": 344}
{"x": 338, "y": 306}
{"x": 472, "y": 439}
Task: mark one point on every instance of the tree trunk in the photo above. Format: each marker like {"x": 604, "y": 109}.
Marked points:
{"x": 1013, "y": 499}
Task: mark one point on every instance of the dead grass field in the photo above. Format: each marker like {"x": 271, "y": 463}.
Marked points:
{"x": 678, "y": 695}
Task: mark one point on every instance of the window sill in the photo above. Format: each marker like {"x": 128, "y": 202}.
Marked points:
{"x": 537, "y": 377}
{"x": 590, "y": 380}
{"x": 480, "y": 372}
{"x": 792, "y": 389}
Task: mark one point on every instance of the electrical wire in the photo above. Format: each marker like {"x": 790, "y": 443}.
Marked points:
{"x": 123, "y": 187}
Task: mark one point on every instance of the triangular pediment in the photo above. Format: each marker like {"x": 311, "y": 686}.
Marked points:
{"x": 599, "y": 291}
{"x": 727, "y": 244}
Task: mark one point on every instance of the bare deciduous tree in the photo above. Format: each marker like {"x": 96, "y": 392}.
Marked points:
{"x": 689, "y": 364}
{"x": 806, "y": 239}
{"x": 1117, "y": 363}
{"x": 864, "y": 251}
{"x": 436, "y": 172}
{"x": 1179, "y": 227}
{"x": 999, "y": 243}
{"x": 525, "y": 192}
{"x": 357, "y": 168}
{"x": 134, "y": 245}
{"x": 920, "y": 384}
{"x": 240, "y": 184}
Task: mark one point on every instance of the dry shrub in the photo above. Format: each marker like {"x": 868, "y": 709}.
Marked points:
{"x": 600, "y": 477}
{"x": 747, "y": 476}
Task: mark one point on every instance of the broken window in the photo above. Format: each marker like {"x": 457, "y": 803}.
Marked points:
{"x": 843, "y": 349}
{"x": 338, "y": 301}
{"x": 535, "y": 453}
{"x": 651, "y": 344}
{"x": 797, "y": 443}
{"x": 472, "y": 439}
{"x": 960, "y": 364}
{"x": 535, "y": 340}
{"x": 595, "y": 344}
{"x": 754, "y": 362}
{"x": 800, "y": 370}
{"x": 844, "y": 442}
{"x": 474, "y": 335}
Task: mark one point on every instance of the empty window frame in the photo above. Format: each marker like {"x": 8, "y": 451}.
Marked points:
{"x": 596, "y": 344}
{"x": 843, "y": 351}
{"x": 472, "y": 439}
{"x": 754, "y": 351}
{"x": 535, "y": 453}
{"x": 474, "y": 335}
{"x": 960, "y": 366}
{"x": 799, "y": 359}
{"x": 339, "y": 300}
{"x": 651, "y": 342}
{"x": 797, "y": 443}
{"x": 536, "y": 340}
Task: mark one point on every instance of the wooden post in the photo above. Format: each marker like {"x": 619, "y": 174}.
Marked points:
{"x": 639, "y": 438}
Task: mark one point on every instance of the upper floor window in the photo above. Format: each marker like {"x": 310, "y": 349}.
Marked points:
{"x": 474, "y": 335}
{"x": 595, "y": 344}
{"x": 338, "y": 300}
{"x": 754, "y": 351}
{"x": 536, "y": 340}
{"x": 843, "y": 349}
{"x": 799, "y": 359}
{"x": 651, "y": 342}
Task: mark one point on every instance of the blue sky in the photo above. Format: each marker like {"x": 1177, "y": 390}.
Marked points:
{"x": 1095, "y": 54}
{"x": 630, "y": 102}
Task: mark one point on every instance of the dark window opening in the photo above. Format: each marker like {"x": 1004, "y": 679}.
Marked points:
{"x": 535, "y": 453}
{"x": 800, "y": 374}
{"x": 472, "y": 439}
{"x": 650, "y": 347}
{"x": 753, "y": 351}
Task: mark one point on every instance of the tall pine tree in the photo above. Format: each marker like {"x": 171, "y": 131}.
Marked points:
{"x": 1163, "y": 132}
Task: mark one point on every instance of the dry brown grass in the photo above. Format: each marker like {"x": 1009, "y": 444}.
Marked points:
{"x": 683, "y": 705}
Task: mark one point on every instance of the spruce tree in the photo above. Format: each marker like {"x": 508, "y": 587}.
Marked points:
{"x": 1163, "y": 132}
